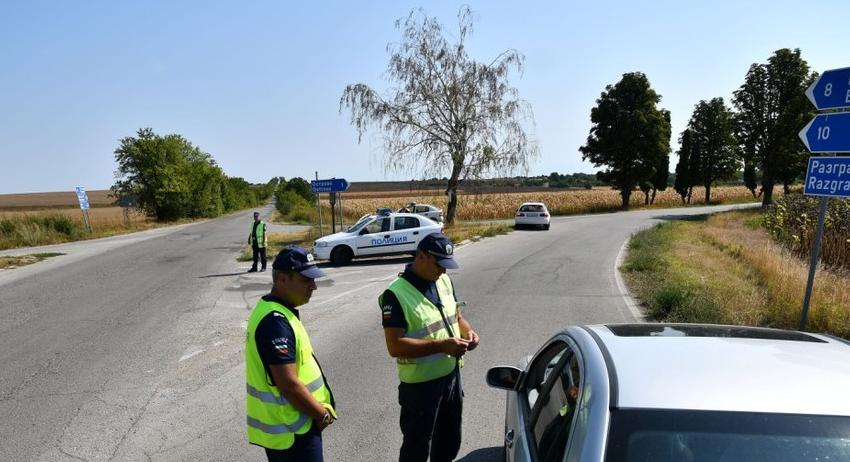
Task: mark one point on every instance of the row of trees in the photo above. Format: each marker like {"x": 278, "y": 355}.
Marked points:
{"x": 630, "y": 135}
{"x": 172, "y": 179}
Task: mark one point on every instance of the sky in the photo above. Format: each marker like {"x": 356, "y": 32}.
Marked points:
{"x": 257, "y": 84}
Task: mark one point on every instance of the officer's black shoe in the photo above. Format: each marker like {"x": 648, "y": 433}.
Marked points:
{"x": 252, "y": 270}
{"x": 262, "y": 269}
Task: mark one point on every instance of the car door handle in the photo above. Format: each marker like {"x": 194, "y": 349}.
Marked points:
{"x": 509, "y": 438}
{"x": 416, "y": 233}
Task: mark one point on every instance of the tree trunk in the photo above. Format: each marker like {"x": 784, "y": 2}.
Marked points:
{"x": 451, "y": 192}
{"x": 652, "y": 200}
{"x": 626, "y": 194}
{"x": 767, "y": 187}
{"x": 690, "y": 193}
{"x": 646, "y": 197}
{"x": 707, "y": 193}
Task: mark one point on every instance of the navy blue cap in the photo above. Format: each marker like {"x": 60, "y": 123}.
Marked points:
{"x": 438, "y": 245}
{"x": 294, "y": 258}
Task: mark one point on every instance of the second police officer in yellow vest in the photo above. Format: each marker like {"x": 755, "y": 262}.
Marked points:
{"x": 258, "y": 240}
{"x": 288, "y": 400}
{"x": 426, "y": 333}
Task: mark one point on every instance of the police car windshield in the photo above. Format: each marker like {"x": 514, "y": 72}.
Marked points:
{"x": 360, "y": 223}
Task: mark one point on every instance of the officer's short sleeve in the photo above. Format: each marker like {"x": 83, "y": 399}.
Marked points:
{"x": 392, "y": 314}
{"x": 275, "y": 340}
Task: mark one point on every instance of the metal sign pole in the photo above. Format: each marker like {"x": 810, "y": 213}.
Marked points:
{"x": 815, "y": 254}
{"x": 319, "y": 208}
{"x": 341, "y": 216}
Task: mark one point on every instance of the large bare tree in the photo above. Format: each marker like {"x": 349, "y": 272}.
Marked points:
{"x": 445, "y": 113}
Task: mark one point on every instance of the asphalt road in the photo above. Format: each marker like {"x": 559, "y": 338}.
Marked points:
{"x": 131, "y": 348}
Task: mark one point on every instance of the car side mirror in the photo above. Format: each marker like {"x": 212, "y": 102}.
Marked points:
{"x": 505, "y": 377}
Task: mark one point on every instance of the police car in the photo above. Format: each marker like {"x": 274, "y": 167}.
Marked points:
{"x": 384, "y": 233}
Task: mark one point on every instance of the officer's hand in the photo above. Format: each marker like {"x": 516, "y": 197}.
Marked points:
{"x": 474, "y": 340}
{"x": 455, "y": 346}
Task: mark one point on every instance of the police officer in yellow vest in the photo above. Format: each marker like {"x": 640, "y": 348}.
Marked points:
{"x": 258, "y": 241}
{"x": 427, "y": 335}
{"x": 289, "y": 402}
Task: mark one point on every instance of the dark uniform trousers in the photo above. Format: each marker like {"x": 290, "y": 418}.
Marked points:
{"x": 306, "y": 448}
{"x": 431, "y": 419}
{"x": 259, "y": 254}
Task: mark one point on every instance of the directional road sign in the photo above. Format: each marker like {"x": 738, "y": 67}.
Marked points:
{"x": 332, "y": 185}
{"x": 831, "y": 90}
{"x": 827, "y": 133}
{"x": 828, "y": 176}
{"x": 82, "y": 197}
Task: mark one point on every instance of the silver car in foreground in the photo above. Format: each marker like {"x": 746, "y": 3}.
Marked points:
{"x": 679, "y": 392}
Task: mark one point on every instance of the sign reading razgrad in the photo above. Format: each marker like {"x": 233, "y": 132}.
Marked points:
{"x": 828, "y": 177}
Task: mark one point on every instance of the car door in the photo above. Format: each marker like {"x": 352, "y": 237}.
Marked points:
{"x": 374, "y": 236}
{"x": 406, "y": 233}
{"x": 546, "y": 403}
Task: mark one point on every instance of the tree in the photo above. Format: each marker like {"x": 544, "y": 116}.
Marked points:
{"x": 714, "y": 156}
{"x": 448, "y": 112}
{"x": 684, "y": 184}
{"x": 772, "y": 107}
{"x": 629, "y": 134}
{"x": 662, "y": 167}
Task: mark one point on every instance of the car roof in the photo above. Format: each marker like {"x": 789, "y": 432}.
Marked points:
{"x": 533, "y": 203}
{"x": 725, "y": 368}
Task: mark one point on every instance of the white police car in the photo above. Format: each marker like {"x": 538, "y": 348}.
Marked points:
{"x": 385, "y": 233}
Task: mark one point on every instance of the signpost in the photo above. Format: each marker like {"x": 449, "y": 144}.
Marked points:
{"x": 831, "y": 90}
{"x": 332, "y": 186}
{"x": 827, "y": 133}
{"x": 84, "y": 205}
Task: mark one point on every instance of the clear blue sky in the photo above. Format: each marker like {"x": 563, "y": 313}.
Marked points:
{"x": 257, "y": 84}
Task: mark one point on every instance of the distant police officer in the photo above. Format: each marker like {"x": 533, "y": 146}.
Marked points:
{"x": 258, "y": 241}
{"x": 289, "y": 401}
{"x": 427, "y": 335}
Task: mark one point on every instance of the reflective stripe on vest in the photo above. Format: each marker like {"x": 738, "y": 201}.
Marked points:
{"x": 273, "y": 421}
{"x": 424, "y": 321}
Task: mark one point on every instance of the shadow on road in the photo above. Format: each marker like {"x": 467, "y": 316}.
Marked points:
{"x": 380, "y": 261}
{"x": 485, "y": 454}
{"x": 221, "y": 275}
{"x": 674, "y": 217}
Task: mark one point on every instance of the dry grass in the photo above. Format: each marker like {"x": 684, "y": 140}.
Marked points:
{"x": 728, "y": 270}
{"x": 477, "y": 207}
{"x": 52, "y": 200}
{"x": 14, "y": 262}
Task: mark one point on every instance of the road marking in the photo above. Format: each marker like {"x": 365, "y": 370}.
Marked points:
{"x": 621, "y": 285}
{"x": 190, "y": 355}
{"x": 218, "y": 343}
{"x": 348, "y": 292}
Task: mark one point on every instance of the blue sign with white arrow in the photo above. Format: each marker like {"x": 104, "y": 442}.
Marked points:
{"x": 831, "y": 90}
{"x": 828, "y": 176}
{"x": 82, "y": 197}
{"x": 827, "y": 133}
{"x": 332, "y": 185}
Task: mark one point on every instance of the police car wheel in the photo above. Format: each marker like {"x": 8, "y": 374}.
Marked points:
{"x": 341, "y": 255}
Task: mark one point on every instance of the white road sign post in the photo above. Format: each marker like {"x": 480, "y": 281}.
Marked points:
{"x": 83, "y": 199}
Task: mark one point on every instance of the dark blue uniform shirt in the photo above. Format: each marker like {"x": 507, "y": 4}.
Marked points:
{"x": 393, "y": 316}
{"x": 275, "y": 338}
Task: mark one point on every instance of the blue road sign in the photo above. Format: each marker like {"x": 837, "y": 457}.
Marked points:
{"x": 827, "y": 133}
{"x": 828, "y": 176}
{"x": 332, "y": 185}
{"x": 82, "y": 197}
{"x": 831, "y": 90}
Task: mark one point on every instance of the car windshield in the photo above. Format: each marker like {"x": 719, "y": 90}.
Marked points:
{"x": 702, "y": 436}
{"x": 532, "y": 208}
{"x": 360, "y": 223}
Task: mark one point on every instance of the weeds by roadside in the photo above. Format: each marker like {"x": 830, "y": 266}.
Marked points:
{"x": 23, "y": 260}
{"x": 726, "y": 269}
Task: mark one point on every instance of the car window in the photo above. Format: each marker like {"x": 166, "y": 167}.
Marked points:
{"x": 556, "y": 408}
{"x": 421, "y": 208}
{"x": 378, "y": 226}
{"x": 360, "y": 223}
{"x": 406, "y": 223}
{"x": 540, "y": 369}
{"x": 531, "y": 208}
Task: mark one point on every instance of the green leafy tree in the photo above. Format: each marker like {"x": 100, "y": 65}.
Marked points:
{"x": 629, "y": 134}
{"x": 447, "y": 112}
{"x": 771, "y": 108}
{"x": 715, "y": 155}
{"x": 684, "y": 184}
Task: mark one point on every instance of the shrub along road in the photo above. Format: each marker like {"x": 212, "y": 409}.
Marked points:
{"x": 134, "y": 351}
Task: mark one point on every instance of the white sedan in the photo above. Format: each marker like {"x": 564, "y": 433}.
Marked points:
{"x": 376, "y": 235}
{"x": 427, "y": 210}
{"x": 532, "y": 214}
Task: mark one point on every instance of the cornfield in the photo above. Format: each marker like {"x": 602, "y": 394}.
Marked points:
{"x": 792, "y": 222}
{"x": 475, "y": 207}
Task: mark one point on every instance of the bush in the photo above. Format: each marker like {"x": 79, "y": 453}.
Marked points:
{"x": 792, "y": 222}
